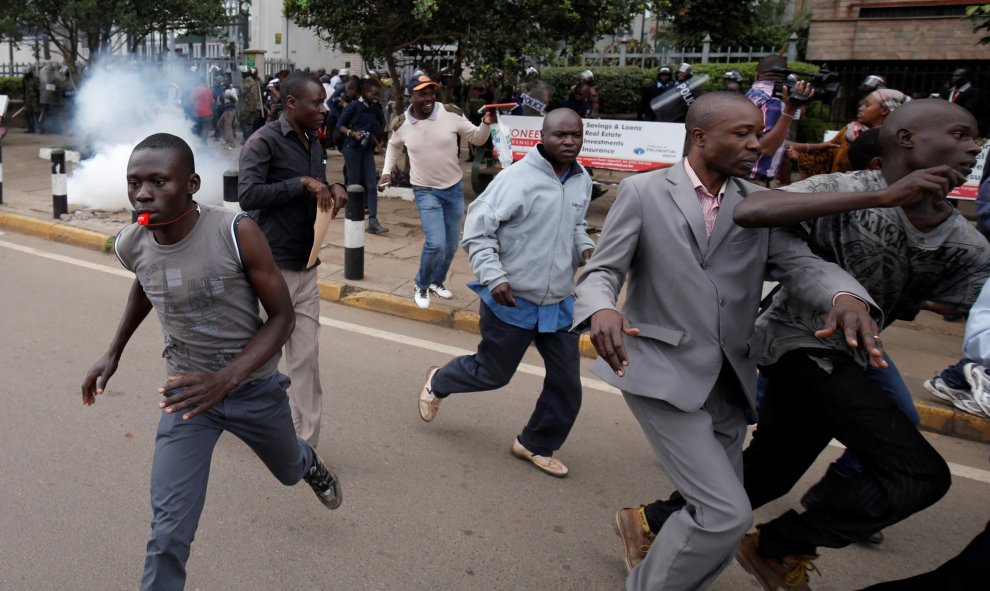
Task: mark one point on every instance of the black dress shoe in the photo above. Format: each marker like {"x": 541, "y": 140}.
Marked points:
{"x": 375, "y": 228}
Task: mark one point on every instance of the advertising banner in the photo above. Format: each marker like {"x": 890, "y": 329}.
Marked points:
{"x": 608, "y": 144}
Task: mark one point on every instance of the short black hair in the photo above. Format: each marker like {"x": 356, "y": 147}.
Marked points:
{"x": 768, "y": 63}
{"x": 295, "y": 84}
{"x": 167, "y": 141}
{"x": 368, "y": 83}
{"x": 865, "y": 148}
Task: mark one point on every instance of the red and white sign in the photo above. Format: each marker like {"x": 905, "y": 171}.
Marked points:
{"x": 608, "y": 144}
{"x": 972, "y": 187}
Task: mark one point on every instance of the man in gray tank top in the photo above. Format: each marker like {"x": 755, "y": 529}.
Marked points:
{"x": 203, "y": 270}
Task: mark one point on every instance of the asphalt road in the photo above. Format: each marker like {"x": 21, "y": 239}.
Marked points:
{"x": 427, "y": 506}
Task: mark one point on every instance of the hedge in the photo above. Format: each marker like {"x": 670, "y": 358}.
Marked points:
{"x": 619, "y": 89}
{"x": 11, "y": 86}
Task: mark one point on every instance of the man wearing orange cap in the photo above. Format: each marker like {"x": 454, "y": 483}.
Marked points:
{"x": 428, "y": 130}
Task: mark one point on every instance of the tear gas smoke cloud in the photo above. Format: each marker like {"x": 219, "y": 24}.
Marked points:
{"x": 120, "y": 105}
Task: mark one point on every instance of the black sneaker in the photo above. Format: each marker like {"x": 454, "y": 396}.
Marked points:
{"x": 324, "y": 483}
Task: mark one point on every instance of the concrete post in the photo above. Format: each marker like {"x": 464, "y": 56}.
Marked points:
{"x": 230, "y": 200}
{"x": 354, "y": 233}
{"x": 706, "y": 48}
{"x": 60, "y": 197}
{"x": 792, "y": 48}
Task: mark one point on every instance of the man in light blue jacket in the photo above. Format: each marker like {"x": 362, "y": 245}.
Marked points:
{"x": 526, "y": 236}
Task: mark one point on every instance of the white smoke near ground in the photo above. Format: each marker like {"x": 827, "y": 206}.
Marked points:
{"x": 119, "y": 105}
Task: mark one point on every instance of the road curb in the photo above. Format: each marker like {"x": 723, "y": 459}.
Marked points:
{"x": 934, "y": 417}
{"x": 56, "y": 231}
{"x": 955, "y": 423}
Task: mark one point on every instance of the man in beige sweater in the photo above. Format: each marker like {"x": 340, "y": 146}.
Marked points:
{"x": 429, "y": 130}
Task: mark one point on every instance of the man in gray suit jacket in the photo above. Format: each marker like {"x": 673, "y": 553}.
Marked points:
{"x": 689, "y": 371}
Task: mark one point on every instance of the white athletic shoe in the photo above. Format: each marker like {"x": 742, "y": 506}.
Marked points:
{"x": 979, "y": 381}
{"x": 440, "y": 291}
{"x": 421, "y": 297}
{"x": 957, "y": 397}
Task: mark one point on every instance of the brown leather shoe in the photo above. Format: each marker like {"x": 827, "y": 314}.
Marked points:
{"x": 550, "y": 465}
{"x": 789, "y": 574}
{"x": 630, "y": 525}
{"x": 428, "y": 403}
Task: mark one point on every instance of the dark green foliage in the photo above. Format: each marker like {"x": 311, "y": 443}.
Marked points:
{"x": 11, "y": 86}
{"x": 619, "y": 88}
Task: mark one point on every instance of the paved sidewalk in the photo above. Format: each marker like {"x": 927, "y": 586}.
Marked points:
{"x": 919, "y": 348}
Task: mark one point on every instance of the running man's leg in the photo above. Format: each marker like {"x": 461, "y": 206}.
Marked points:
{"x": 302, "y": 355}
{"x": 431, "y": 215}
{"x": 501, "y": 349}
{"x": 560, "y": 401}
{"x": 180, "y": 471}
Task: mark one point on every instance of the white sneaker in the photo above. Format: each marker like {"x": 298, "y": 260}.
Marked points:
{"x": 978, "y": 379}
{"x": 957, "y": 397}
{"x": 440, "y": 291}
{"x": 421, "y": 297}
{"x": 937, "y": 387}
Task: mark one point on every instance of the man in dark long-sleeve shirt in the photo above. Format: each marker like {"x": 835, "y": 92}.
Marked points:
{"x": 282, "y": 181}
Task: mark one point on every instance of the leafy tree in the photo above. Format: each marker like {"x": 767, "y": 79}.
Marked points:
{"x": 980, "y": 15}
{"x": 496, "y": 34}
{"x": 736, "y": 24}
{"x": 101, "y": 26}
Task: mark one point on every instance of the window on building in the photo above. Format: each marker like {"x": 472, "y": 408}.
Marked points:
{"x": 914, "y": 11}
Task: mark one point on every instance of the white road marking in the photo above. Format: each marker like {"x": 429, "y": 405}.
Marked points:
{"x": 958, "y": 470}
{"x": 67, "y": 260}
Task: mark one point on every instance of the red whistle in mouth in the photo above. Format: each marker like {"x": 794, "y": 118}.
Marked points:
{"x": 143, "y": 219}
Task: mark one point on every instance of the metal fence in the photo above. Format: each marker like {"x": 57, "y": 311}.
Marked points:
{"x": 917, "y": 79}
{"x": 9, "y": 69}
{"x": 671, "y": 55}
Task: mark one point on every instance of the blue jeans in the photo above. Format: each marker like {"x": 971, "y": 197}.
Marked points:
{"x": 359, "y": 169}
{"x": 954, "y": 377}
{"x": 891, "y": 382}
{"x": 441, "y": 212}
{"x": 257, "y": 413}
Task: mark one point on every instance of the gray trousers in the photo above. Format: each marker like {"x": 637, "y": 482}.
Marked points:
{"x": 257, "y": 413}
{"x": 701, "y": 453}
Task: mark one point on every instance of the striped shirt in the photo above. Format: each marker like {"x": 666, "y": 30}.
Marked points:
{"x": 709, "y": 203}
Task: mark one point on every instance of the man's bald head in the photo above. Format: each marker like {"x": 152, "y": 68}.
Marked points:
{"x": 917, "y": 113}
{"x": 723, "y": 132}
{"x": 554, "y": 119}
{"x": 711, "y": 108}
{"x": 926, "y": 133}
{"x": 563, "y": 136}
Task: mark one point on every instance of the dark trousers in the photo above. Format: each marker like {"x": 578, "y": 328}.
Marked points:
{"x": 813, "y": 396}
{"x": 967, "y": 571}
{"x": 257, "y": 413}
{"x": 359, "y": 169}
{"x": 499, "y": 354}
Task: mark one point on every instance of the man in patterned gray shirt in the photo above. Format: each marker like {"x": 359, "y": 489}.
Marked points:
{"x": 907, "y": 246}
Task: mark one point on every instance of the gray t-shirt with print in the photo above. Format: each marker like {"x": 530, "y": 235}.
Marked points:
{"x": 900, "y": 266}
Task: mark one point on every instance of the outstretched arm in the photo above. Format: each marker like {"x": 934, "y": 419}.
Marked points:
{"x": 137, "y": 309}
{"x": 786, "y": 208}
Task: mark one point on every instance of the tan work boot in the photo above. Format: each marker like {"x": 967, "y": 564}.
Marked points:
{"x": 630, "y": 525}
{"x": 789, "y": 574}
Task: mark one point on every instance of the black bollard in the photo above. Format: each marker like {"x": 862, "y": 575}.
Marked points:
{"x": 60, "y": 197}
{"x": 354, "y": 233}
{"x": 230, "y": 190}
